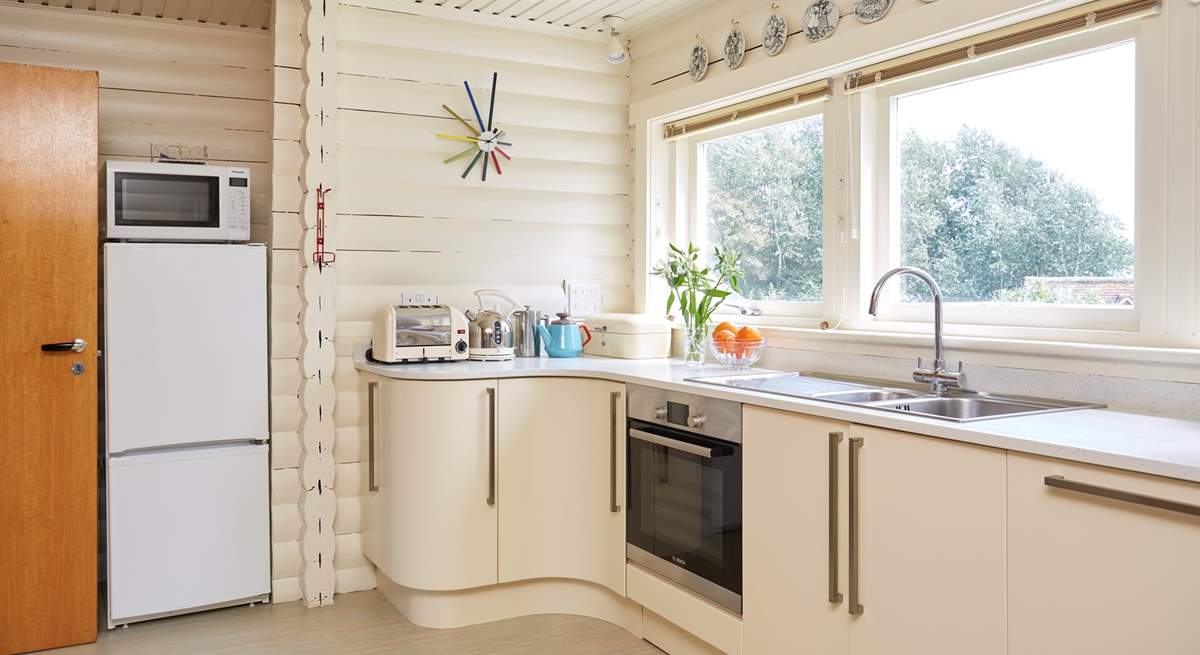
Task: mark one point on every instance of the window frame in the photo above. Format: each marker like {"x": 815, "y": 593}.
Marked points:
{"x": 688, "y": 158}
{"x": 882, "y": 251}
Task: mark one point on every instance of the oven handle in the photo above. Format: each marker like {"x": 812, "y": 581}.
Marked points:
{"x": 675, "y": 444}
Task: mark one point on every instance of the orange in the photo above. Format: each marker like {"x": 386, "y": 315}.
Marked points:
{"x": 725, "y": 325}
{"x": 749, "y": 334}
{"x": 724, "y": 340}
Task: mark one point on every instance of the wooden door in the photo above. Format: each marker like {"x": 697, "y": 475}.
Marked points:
{"x": 791, "y": 602}
{"x": 48, "y": 414}
{"x": 431, "y": 523}
{"x": 931, "y": 560}
{"x": 1097, "y": 575}
{"x": 561, "y": 480}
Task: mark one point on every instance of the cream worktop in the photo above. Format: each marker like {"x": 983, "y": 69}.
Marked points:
{"x": 1134, "y": 442}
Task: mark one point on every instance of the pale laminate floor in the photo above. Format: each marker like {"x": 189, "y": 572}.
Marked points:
{"x": 362, "y": 623}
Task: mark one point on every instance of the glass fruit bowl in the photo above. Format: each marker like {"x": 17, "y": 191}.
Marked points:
{"x": 738, "y": 353}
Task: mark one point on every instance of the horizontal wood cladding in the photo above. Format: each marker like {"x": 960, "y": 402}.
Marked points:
{"x": 380, "y": 130}
{"x": 161, "y": 83}
{"x": 392, "y": 28}
{"x": 384, "y": 168}
{"x": 102, "y": 34}
{"x": 423, "y": 98}
{"x": 395, "y": 62}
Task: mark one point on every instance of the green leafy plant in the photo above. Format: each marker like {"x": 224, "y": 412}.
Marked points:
{"x": 698, "y": 290}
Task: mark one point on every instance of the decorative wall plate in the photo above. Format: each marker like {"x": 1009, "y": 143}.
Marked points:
{"x": 485, "y": 139}
{"x": 821, "y": 19}
{"x": 869, "y": 11}
{"x": 775, "y": 34}
{"x": 699, "y": 64}
{"x": 735, "y": 47}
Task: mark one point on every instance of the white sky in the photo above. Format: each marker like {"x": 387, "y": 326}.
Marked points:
{"x": 1076, "y": 114}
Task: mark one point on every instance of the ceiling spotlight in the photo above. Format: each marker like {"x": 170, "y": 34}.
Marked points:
{"x": 617, "y": 53}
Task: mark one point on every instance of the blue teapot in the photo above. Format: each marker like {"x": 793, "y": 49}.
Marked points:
{"x": 563, "y": 338}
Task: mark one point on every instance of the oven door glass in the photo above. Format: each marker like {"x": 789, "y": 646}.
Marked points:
{"x": 155, "y": 199}
{"x": 685, "y": 501}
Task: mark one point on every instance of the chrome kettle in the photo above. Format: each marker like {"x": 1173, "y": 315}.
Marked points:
{"x": 489, "y": 331}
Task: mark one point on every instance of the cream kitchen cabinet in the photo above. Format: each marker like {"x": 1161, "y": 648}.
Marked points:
{"x": 561, "y": 484}
{"x": 931, "y": 545}
{"x": 917, "y": 527}
{"x": 788, "y": 567}
{"x": 1101, "y": 561}
{"x": 431, "y": 512}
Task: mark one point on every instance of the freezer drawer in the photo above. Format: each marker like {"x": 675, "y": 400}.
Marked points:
{"x": 187, "y": 529}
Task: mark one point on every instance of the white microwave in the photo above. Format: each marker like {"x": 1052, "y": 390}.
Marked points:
{"x": 165, "y": 201}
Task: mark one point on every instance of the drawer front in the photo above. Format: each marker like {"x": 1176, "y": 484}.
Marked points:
{"x": 1101, "y": 561}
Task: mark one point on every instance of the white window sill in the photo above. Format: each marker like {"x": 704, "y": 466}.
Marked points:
{"x": 1154, "y": 363}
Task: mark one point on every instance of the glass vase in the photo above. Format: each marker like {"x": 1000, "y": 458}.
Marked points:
{"x": 695, "y": 341}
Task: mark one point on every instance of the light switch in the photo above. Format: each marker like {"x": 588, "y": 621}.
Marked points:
{"x": 583, "y": 298}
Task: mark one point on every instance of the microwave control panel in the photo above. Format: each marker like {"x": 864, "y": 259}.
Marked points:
{"x": 239, "y": 202}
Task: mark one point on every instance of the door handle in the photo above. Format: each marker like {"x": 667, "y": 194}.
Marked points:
{"x": 674, "y": 444}
{"x": 835, "y": 596}
{"x": 78, "y": 345}
{"x": 372, "y": 389}
{"x": 491, "y": 499}
{"x": 856, "y": 607}
{"x": 613, "y": 398}
{"x": 1060, "y": 482}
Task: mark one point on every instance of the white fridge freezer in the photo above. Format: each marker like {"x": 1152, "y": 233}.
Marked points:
{"x": 187, "y": 471}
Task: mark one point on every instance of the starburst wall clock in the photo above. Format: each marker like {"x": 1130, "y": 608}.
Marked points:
{"x": 486, "y": 139}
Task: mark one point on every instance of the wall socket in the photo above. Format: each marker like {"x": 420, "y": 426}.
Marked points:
{"x": 419, "y": 298}
{"x": 583, "y": 298}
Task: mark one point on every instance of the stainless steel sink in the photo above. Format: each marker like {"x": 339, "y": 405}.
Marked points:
{"x": 959, "y": 405}
{"x": 970, "y": 407}
{"x": 865, "y": 396}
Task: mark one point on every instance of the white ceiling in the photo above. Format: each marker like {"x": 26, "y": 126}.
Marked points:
{"x": 248, "y": 14}
{"x": 582, "y": 15}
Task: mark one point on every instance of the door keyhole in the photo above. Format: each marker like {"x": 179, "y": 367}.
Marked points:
{"x": 78, "y": 368}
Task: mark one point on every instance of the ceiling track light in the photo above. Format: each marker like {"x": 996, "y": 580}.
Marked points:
{"x": 617, "y": 52}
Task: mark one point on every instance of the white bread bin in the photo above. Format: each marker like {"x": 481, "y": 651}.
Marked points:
{"x": 628, "y": 336}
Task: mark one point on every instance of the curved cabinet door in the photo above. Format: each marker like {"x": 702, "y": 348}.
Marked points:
{"x": 562, "y": 480}
{"x": 429, "y": 522}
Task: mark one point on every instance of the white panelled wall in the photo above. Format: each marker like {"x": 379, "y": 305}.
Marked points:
{"x": 406, "y": 221}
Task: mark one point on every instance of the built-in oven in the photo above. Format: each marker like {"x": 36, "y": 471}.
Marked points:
{"x": 684, "y": 520}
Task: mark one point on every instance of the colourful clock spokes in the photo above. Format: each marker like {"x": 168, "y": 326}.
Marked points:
{"x": 484, "y": 138}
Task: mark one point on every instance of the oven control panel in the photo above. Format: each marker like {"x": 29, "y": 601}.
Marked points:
{"x": 711, "y": 417}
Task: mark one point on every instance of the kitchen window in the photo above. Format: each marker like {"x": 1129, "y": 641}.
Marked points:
{"x": 1013, "y": 182}
{"x": 759, "y": 189}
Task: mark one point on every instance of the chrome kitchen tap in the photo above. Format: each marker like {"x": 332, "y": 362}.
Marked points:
{"x": 938, "y": 377}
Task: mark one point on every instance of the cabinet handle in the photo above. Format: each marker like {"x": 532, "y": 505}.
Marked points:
{"x": 491, "y": 499}
{"x": 856, "y": 607}
{"x": 372, "y": 389}
{"x": 613, "y": 398}
{"x": 1060, "y": 482}
{"x": 835, "y": 596}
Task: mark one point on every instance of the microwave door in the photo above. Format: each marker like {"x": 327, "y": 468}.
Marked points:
{"x": 167, "y": 202}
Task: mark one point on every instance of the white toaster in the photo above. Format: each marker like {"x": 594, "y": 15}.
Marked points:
{"x": 419, "y": 333}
